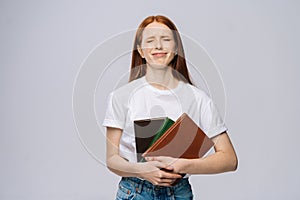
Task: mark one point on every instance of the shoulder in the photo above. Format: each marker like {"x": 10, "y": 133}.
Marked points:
{"x": 124, "y": 92}
{"x": 198, "y": 93}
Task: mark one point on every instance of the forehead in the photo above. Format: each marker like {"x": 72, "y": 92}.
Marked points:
{"x": 156, "y": 29}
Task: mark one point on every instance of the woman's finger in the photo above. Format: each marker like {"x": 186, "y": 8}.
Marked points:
{"x": 161, "y": 165}
{"x": 167, "y": 180}
{"x": 169, "y": 175}
{"x": 150, "y": 158}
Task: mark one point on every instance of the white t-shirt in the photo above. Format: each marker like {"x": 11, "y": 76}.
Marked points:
{"x": 139, "y": 100}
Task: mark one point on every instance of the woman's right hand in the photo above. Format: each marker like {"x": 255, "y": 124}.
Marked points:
{"x": 158, "y": 173}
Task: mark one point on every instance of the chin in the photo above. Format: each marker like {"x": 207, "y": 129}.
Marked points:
{"x": 159, "y": 66}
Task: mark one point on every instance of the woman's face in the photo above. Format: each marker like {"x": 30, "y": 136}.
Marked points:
{"x": 158, "y": 45}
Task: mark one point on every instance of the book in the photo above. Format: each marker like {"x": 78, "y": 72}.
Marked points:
{"x": 147, "y": 132}
{"x": 184, "y": 139}
{"x": 164, "y": 127}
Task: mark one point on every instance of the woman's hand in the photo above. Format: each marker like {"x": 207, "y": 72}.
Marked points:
{"x": 158, "y": 173}
{"x": 176, "y": 163}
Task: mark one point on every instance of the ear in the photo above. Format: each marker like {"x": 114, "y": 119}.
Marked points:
{"x": 140, "y": 51}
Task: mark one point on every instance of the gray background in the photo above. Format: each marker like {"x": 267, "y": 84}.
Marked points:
{"x": 43, "y": 43}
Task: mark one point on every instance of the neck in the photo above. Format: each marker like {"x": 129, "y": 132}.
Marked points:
{"x": 161, "y": 78}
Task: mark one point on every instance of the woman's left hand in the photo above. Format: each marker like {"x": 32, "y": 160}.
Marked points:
{"x": 176, "y": 163}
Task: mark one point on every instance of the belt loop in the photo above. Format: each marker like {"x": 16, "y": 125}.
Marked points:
{"x": 169, "y": 191}
{"x": 139, "y": 186}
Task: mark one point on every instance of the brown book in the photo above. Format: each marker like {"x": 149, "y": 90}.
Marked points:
{"x": 184, "y": 139}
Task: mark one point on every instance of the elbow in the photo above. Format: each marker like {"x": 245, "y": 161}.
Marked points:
{"x": 233, "y": 165}
{"x": 111, "y": 168}
{"x": 109, "y": 165}
{"x": 230, "y": 163}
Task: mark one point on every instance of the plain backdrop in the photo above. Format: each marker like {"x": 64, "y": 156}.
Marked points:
{"x": 255, "y": 45}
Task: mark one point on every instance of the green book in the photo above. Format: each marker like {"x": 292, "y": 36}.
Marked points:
{"x": 164, "y": 127}
{"x": 148, "y": 131}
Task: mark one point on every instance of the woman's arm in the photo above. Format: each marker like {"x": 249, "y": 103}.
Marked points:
{"x": 148, "y": 170}
{"x": 224, "y": 159}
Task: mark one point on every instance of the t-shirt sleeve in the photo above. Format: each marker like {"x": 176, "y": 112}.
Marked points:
{"x": 115, "y": 113}
{"x": 211, "y": 120}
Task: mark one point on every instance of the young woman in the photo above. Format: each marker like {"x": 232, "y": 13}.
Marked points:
{"x": 160, "y": 86}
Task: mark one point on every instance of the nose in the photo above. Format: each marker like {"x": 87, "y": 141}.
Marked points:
{"x": 158, "y": 44}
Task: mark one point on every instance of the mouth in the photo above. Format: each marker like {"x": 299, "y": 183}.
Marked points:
{"x": 159, "y": 54}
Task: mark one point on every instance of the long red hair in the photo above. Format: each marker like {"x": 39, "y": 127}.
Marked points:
{"x": 138, "y": 64}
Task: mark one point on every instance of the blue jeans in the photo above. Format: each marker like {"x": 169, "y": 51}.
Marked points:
{"x": 135, "y": 188}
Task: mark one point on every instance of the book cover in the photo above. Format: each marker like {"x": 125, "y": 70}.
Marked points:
{"x": 147, "y": 131}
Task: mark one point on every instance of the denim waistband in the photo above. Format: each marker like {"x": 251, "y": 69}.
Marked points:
{"x": 138, "y": 183}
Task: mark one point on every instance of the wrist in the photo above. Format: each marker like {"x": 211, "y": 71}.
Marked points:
{"x": 183, "y": 166}
{"x": 139, "y": 170}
